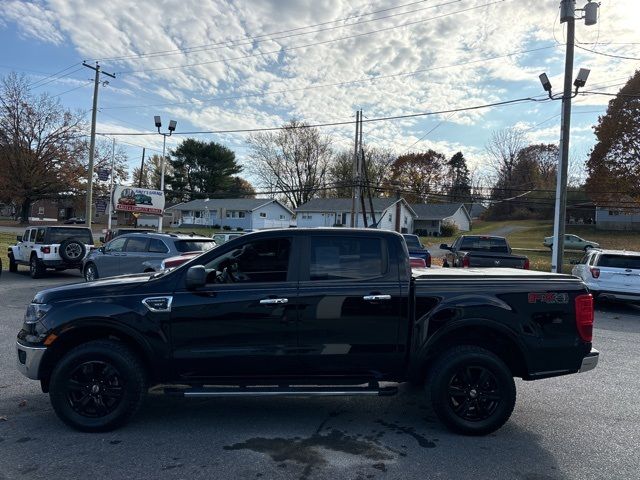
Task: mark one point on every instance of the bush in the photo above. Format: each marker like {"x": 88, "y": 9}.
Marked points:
{"x": 239, "y": 229}
{"x": 226, "y": 228}
{"x": 449, "y": 229}
{"x": 216, "y": 226}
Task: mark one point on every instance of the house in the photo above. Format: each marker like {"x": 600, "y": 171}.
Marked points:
{"x": 476, "y": 210}
{"x": 431, "y": 216}
{"x": 612, "y": 218}
{"x": 244, "y": 213}
{"x": 55, "y": 209}
{"x": 390, "y": 214}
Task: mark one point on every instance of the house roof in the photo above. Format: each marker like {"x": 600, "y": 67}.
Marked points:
{"x": 342, "y": 204}
{"x": 227, "y": 203}
{"x": 437, "y": 211}
{"x": 477, "y": 209}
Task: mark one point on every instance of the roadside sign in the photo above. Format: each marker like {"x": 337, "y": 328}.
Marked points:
{"x": 103, "y": 174}
{"x": 139, "y": 200}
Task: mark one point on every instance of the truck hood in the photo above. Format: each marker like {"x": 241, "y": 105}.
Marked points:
{"x": 115, "y": 285}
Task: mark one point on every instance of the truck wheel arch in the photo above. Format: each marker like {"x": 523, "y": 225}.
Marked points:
{"x": 476, "y": 332}
{"x": 79, "y": 335}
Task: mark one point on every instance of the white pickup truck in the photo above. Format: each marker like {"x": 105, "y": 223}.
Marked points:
{"x": 611, "y": 274}
{"x": 44, "y": 247}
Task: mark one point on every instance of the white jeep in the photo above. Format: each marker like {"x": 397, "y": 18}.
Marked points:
{"x": 46, "y": 247}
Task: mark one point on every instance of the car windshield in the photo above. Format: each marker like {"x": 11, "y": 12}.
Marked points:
{"x": 412, "y": 241}
{"x": 57, "y": 235}
{"x": 194, "y": 245}
{"x": 620, "y": 261}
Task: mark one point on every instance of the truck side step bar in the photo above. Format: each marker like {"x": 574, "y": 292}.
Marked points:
{"x": 300, "y": 391}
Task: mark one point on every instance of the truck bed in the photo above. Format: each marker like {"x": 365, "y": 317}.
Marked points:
{"x": 495, "y": 273}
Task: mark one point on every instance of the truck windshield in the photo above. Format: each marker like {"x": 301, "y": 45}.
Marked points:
{"x": 57, "y": 235}
{"x": 194, "y": 245}
{"x": 486, "y": 244}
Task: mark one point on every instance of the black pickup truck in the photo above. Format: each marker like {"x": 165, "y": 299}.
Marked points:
{"x": 481, "y": 251}
{"x": 305, "y": 312}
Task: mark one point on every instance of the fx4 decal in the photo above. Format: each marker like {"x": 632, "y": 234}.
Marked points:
{"x": 550, "y": 298}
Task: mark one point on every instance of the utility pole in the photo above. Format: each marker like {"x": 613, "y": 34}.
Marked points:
{"x": 141, "y": 169}
{"x": 355, "y": 176}
{"x": 568, "y": 16}
{"x": 361, "y": 175}
{"x": 113, "y": 161}
{"x": 92, "y": 143}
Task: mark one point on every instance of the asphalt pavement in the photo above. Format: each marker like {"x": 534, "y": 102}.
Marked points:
{"x": 584, "y": 426}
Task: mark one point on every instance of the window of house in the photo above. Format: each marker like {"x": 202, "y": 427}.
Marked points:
{"x": 257, "y": 261}
{"x": 434, "y": 223}
{"x": 198, "y": 214}
{"x": 263, "y": 214}
{"x": 40, "y": 211}
{"x": 281, "y": 217}
{"x": 62, "y": 213}
{"x": 241, "y": 214}
{"x": 405, "y": 220}
{"x": 346, "y": 258}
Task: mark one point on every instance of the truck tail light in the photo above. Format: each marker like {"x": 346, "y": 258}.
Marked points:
{"x": 526, "y": 264}
{"x": 465, "y": 262}
{"x": 595, "y": 272}
{"x": 584, "y": 316}
{"x": 46, "y": 249}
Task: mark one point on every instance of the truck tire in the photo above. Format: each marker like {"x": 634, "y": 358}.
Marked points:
{"x": 13, "y": 266}
{"x": 36, "y": 268}
{"x": 97, "y": 386}
{"x": 472, "y": 390}
{"x": 72, "y": 251}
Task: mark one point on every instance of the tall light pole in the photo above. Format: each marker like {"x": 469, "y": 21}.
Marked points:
{"x": 172, "y": 127}
{"x": 568, "y": 16}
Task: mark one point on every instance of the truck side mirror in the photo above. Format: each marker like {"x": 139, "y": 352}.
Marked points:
{"x": 19, "y": 238}
{"x": 444, "y": 246}
{"x": 196, "y": 277}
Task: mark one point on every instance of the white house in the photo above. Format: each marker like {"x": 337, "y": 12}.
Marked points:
{"x": 431, "y": 216}
{"x": 245, "y": 213}
{"x": 611, "y": 218}
{"x": 390, "y": 214}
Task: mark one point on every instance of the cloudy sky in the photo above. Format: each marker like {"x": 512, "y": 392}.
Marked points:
{"x": 227, "y": 65}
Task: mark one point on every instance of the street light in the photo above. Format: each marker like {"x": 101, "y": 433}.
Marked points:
{"x": 172, "y": 128}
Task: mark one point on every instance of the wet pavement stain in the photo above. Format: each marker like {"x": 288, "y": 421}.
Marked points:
{"x": 422, "y": 441}
{"x": 308, "y": 451}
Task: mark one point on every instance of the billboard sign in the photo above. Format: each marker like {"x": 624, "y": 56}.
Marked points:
{"x": 138, "y": 200}
{"x": 103, "y": 174}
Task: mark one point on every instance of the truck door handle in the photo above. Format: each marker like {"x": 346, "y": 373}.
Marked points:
{"x": 376, "y": 298}
{"x": 274, "y": 301}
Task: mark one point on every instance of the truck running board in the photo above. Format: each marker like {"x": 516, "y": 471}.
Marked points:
{"x": 300, "y": 391}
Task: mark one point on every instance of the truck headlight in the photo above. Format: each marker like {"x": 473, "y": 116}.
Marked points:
{"x": 35, "y": 312}
{"x": 33, "y": 330}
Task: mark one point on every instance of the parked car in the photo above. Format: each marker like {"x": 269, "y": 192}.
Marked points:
{"x": 416, "y": 249}
{"x": 611, "y": 274}
{"x": 221, "y": 238}
{"x": 173, "y": 262}
{"x": 139, "y": 253}
{"x": 111, "y": 234}
{"x": 471, "y": 251}
{"x": 45, "y": 247}
{"x": 298, "y": 312}
{"x": 573, "y": 242}
{"x": 74, "y": 220}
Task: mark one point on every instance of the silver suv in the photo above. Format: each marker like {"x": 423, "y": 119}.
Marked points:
{"x": 50, "y": 247}
{"x": 140, "y": 253}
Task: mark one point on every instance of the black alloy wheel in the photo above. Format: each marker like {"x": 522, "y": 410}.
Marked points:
{"x": 94, "y": 389}
{"x": 472, "y": 390}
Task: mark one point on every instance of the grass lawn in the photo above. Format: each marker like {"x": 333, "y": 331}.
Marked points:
{"x": 6, "y": 240}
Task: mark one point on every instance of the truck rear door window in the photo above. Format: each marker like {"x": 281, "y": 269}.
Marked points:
{"x": 58, "y": 235}
{"x": 346, "y": 258}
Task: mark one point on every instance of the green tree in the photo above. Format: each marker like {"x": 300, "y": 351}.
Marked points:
{"x": 613, "y": 167}
{"x": 201, "y": 169}
{"x": 460, "y": 189}
{"x": 152, "y": 173}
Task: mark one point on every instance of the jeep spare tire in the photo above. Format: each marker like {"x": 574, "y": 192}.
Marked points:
{"x": 72, "y": 251}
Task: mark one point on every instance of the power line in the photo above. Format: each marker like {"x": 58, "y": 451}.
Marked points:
{"x": 626, "y": 95}
{"x": 335, "y": 84}
{"x": 255, "y": 40}
{"x": 607, "y": 54}
{"x": 541, "y": 98}
{"x": 31, "y": 85}
{"x": 54, "y": 79}
{"x": 72, "y": 89}
{"x": 297, "y": 47}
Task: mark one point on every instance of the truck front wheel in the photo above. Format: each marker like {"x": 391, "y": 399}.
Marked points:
{"x": 472, "y": 390}
{"x": 97, "y": 386}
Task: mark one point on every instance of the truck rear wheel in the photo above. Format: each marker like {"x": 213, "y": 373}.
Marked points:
{"x": 97, "y": 386}
{"x": 36, "y": 268}
{"x": 472, "y": 391}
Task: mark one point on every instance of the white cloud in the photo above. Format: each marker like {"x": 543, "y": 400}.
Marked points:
{"x": 33, "y": 20}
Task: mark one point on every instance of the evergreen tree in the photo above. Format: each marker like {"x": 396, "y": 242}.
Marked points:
{"x": 460, "y": 190}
